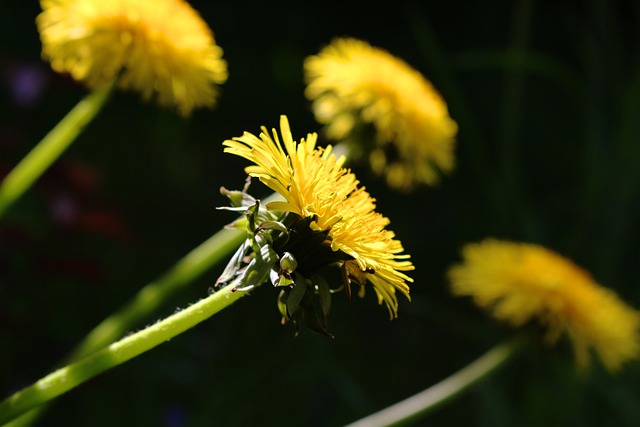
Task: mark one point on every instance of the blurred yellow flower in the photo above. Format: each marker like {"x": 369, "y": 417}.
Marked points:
{"x": 316, "y": 186}
{"x": 519, "y": 282}
{"x": 354, "y": 86}
{"x": 162, "y": 48}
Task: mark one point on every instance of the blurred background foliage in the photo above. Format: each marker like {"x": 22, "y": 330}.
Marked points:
{"x": 547, "y": 98}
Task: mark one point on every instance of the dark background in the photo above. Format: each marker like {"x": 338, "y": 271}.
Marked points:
{"x": 547, "y": 97}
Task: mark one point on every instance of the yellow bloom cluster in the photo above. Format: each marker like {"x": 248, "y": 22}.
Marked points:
{"x": 352, "y": 83}
{"x": 315, "y": 185}
{"x": 162, "y": 48}
{"x": 519, "y": 282}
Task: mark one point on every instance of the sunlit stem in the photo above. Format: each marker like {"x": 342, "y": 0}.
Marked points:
{"x": 152, "y": 297}
{"x": 72, "y": 375}
{"x": 425, "y": 402}
{"x": 36, "y": 162}
{"x": 155, "y": 294}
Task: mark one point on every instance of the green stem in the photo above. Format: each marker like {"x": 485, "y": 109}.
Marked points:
{"x": 152, "y": 296}
{"x": 72, "y": 375}
{"x": 156, "y": 293}
{"x": 51, "y": 147}
{"x": 446, "y": 390}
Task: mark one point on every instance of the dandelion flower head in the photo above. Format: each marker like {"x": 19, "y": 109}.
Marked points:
{"x": 315, "y": 186}
{"x": 161, "y": 49}
{"x": 354, "y": 86}
{"x": 520, "y": 282}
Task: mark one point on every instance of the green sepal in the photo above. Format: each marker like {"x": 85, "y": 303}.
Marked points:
{"x": 254, "y": 213}
{"x": 296, "y": 294}
{"x": 278, "y": 279}
{"x": 273, "y": 225}
{"x": 300, "y": 308}
{"x": 258, "y": 269}
{"x": 238, "y": 199}
{"x": 324, "y": 295}
{"x": 235, "y": 263}
{"x": 307, "y": 315}
{"x": 282, "y": 306}
{"x": 242, "y": 209}
{"x": 288, "y": 263}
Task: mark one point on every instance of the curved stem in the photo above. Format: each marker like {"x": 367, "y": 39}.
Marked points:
{"x": 446, "y": 390}
{"x": 72, "y": 375}
{"x": 51, "y": 147}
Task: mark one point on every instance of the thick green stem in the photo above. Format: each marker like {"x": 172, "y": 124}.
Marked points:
{"x": 156, "y": 293}
{"x": 72, "y": 375}
{"x": 151, "y": 297}
{"x": 51, "y": 147}
{"x": 437, "y": 395}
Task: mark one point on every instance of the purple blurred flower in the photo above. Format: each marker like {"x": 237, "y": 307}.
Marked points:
{"x": 26, "y": 83}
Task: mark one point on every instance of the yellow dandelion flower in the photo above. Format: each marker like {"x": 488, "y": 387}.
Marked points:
{"x": 352, "y": 83}
{"x": 316, "y": 186}
{"x": 519, "y": 282}
{"x": 162, "y": 49}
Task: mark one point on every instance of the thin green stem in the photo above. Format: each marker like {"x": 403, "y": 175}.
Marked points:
{"x": 434, "y": 397}
{"x": 72, "y": 375}
{"x": 51, "y": 147}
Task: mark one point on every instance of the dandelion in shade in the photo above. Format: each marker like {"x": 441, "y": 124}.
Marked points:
{"x": 334, "y": 218}
{"x": 519, "y": 282}
{"x": 388, "y": 112}
{"x": 162, "y": 49}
